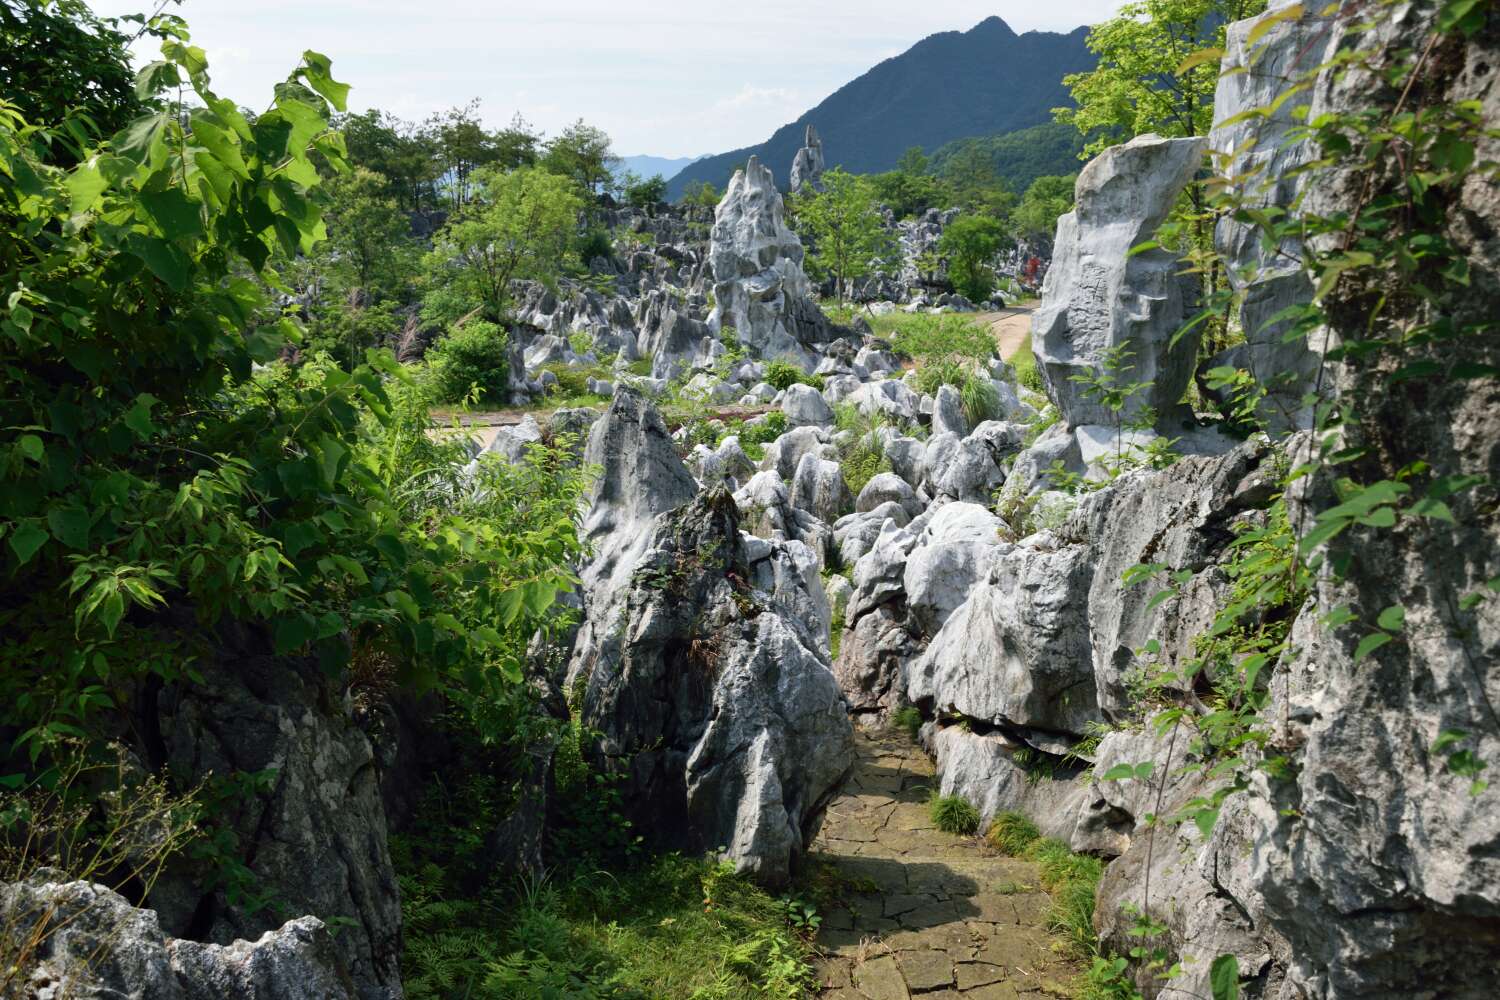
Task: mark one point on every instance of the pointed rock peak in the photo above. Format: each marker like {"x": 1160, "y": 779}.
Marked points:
{"x": 641, "y": 473}
{"x": 812, "y": 138}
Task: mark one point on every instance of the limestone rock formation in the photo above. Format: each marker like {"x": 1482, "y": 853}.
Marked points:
{"x": 808, "y": 166}
{"x": 713, "y": 697}
{"x": 92, "y": 945}
{"x": 1097, "y": 297}
{"x": 760, "y": 289}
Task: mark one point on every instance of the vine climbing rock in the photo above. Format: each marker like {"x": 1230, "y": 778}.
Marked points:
{"x": 714, "y": 698}
{"x": 925, "y": 913}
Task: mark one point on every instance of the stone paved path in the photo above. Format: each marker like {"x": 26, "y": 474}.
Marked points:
{"x": 928, "y": 914}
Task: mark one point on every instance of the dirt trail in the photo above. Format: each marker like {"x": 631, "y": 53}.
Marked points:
{"x": 942, "y": 916}
{"x": 1009, "y": 327}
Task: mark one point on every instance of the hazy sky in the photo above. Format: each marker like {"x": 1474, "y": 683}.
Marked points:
{"x": 663, "y": 78}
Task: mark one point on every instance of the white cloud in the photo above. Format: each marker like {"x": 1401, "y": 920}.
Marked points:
{"x": 660, "y": 76}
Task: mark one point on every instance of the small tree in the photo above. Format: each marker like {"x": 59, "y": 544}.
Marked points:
{"x": 701, "y": 193}
{"x": 969, "y": 243}
{"x": 645, "y": 194}
{"x": 521, "y": 226}
{"x": 369, "y": 233}
{"x": 585, "y": 154}
{"x": 849, "y": 238}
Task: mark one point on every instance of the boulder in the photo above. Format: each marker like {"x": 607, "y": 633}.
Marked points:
{"x": 1099, "y": 297}
{"x": 887, "y": 487}
{"x": 818, "y": 487}
{"x": 855, "y": 534}
{"x": 948, "y": 413}
{"x": 804, "y": 407}
{"x": 766, "y": 511}
{"x": 511, "y": 443}
{"x": 94, "y": 944}
{"x": 760, "y": 288}
{"x": 949, "y": 559}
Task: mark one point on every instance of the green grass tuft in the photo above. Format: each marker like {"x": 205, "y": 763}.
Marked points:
{"x": 909, "y": 719}
{"x": 953, "y": 814}
{"x": 1012, "y": 833}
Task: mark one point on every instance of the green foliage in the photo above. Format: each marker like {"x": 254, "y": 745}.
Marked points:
{"x": 584, "y": 154}
{"x": 924, "y": 338}
{"x": 1047, "y": 199}
{"x": 910, "y": 189}
{"x": 702, "y": 194}
{"x": 909, "y": 718}
{"x": 862, "y": 457}
{"x": 645, "y": 194}
{"x": 953, "y": 814}
{"x": 521, "y": 225}
{"x": 1028, "y": 376}
{"x": 1145, "y": 80}
{"x": 150, "y": 468}
{"x": 1012, "y": 833}
{"x": 848, "y": 237}
{"x": 970, "y": 242}
{"x": 593, "y": 244}
{"x": 471, "y": 361}
{"x": 784, "y": 375}
{"x": 64, "y": 64}
{"x": 1018, "y": 158}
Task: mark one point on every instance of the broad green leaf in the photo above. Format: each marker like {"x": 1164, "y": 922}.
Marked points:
{"x": 70, "y": 525}
{"x": 319, "y": 74}
{"x": 1370, "y": 643}
{"x": 143, "y": 138}
{"x": 165, "y": 260}
{"x": 1224, "y": 978}
{"x": 1447, "y": 738}
{"x": 31, "y": 446}
{"x": 85, "y": 184}
{"x": 26, "y": 539}
{"x": 175, "y": 214}
{"x": 138, "y": 417}
{"x": 1392, "y": 619}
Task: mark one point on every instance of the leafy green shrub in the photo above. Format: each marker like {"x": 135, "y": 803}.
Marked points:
{"x": 953, "y": 814}
{"x": 979, "y": 398}
{"x": 592, "y": 244}
{"x": 474, "y": 357}
{"x": 784, "y": 375}
{"x": 909, "y": 719}
{"x": 752, "y": 436}
{"x": 923, "y": 337}
{"x": 1012, "y": 833}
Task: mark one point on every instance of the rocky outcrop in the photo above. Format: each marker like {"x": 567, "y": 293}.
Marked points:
{"x": 1098, "y": 297}
{"x": 713, "y": 697}
{"x": 311, "y": 831}
{"x": 77, "y": 940}
{"x": 807, "y": 167}
{"x": 760, "y": 289}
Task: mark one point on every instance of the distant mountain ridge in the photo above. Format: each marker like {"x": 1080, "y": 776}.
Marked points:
{"x": 649, "y": 166}
{"x": 953, "y": 85}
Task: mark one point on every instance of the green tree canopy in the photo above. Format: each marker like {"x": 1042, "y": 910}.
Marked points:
{"x": 1144, "y": 81}
{"x": 1048, "y": 198}
{"x": 843, "y": 222}
{"x": 521, "y": 225}
{"x": 584, "y": 153}
{"x": 644, "y": 193}
{"x": 970, "y": 242}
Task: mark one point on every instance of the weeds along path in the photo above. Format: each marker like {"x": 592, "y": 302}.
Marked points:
{"x": 928, "y": 914}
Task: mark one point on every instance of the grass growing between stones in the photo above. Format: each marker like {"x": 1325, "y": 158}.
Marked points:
{"x": 1071, "y": 879}
{"x": 953, "y": 814}
{"x": 909, "y": 719}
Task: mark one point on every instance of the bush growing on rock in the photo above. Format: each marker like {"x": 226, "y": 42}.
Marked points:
{"x": 473, "y": 358}
{"x": 784, "y": 375}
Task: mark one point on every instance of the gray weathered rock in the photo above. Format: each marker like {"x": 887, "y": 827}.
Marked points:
{"x": 99, "y": 947}
{"x": 804, "y": 407}
{"x": 818, "y": 487}
{"x": 760, "y": 288}
{"x": 949, "y": 560}
{"x": 807, "y": 167}
{"x": 713, "y": 697}
{"x": 948, "y": 413}
{"x": 887, "y": 487}
{"x": 1097, "y": 296}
